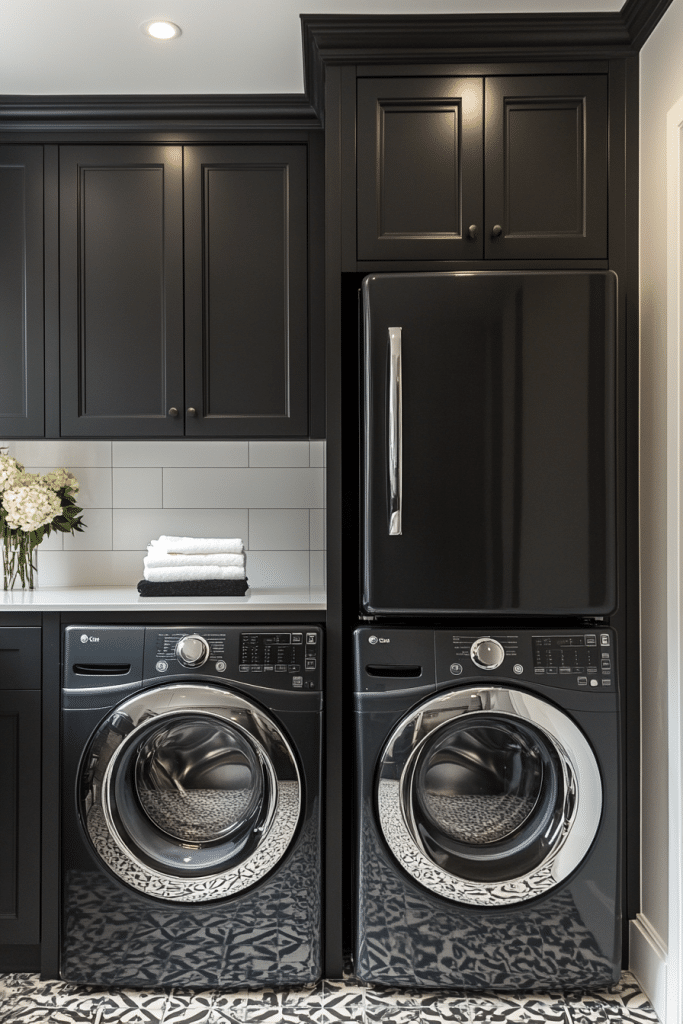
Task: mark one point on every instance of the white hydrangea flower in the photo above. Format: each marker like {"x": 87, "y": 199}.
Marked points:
{"x": 28, "y": 479}
{"x": 30, "y": 506}
{"x": 9, "y": 470}
{"x": 61, "y": 478}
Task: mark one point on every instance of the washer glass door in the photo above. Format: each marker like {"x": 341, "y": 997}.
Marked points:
{"x": 488, "y": 796}
{"x": 189, "y": 792}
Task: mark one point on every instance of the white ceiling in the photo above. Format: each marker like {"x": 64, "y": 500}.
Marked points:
{"x": 64, "y": 47}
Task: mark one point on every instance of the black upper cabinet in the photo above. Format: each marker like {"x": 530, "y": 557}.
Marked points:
{"x": 420, "y": 168}
{"x": 246, "y": 290}
{"x": 183, "y": 291}
{"x": 21, "y": 291}
{"x": 508, "y": 167}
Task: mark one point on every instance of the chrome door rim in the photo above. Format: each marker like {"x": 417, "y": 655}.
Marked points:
{"x": 165, "y": 703}
{"x": 583, "y": 804}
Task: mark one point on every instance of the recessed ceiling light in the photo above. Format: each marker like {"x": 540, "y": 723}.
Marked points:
{"x": 161, "y": 29}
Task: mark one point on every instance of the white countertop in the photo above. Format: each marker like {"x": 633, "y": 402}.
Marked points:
{"x": 127, "y": 599}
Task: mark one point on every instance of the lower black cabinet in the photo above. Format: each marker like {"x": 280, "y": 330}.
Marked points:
{"x": 20, "y": 736}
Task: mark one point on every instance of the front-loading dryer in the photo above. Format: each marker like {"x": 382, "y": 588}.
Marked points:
{"x": 191, "y": 806}
{"x": 487, "y": 804}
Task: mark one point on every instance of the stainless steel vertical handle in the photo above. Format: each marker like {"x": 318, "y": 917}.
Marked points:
{"x": 395, "y": 432}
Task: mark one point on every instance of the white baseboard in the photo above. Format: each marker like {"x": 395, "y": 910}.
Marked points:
{"x": 648, "y": 961}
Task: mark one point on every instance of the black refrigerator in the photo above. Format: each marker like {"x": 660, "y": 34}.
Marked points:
{"x": 489, "y": 457}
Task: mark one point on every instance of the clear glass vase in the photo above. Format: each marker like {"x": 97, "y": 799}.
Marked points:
{"x": 18, "y": 560}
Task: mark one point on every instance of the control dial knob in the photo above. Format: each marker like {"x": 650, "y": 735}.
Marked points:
{"x": 192, "y": 650}
{"x": 487, "y": 653}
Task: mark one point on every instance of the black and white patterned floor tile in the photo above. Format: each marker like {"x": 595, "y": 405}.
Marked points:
{"x": 25, "y": 999}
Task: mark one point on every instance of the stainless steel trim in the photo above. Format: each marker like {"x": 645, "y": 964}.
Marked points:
{"x": 395, "y": 432}
{"x": 118, "y": 734}
{"x": 582, "y": 798}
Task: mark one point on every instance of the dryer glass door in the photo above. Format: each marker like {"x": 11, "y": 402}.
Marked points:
{"x": 488, "y": 796}
{"x": 189, "y": 792}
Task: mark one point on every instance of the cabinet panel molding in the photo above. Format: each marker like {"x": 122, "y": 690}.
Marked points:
{"x": 420, "y": 172}
{"x": 246, "y": 290}
{"x": 121, "y": 290}
{"x": 21, "y": 291}
{"x": 546, "y": 167}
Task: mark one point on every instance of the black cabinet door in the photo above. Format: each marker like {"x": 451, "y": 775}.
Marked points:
{"x": 21, "y": 291}
{"x": 419, "y": 165}
{"x": 20, "y": 790}
{"x": 546, "y": 167}
{"x": 121, "y": 291}
{"x": 246, "y": 342}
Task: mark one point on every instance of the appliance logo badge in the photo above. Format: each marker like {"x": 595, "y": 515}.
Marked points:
{"x": 379, "y": 640}
{"x": 89, "y": 639}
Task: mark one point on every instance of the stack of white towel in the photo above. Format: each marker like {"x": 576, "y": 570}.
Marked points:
{"x": 175, "y": 559}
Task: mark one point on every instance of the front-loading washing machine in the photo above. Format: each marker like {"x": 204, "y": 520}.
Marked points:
{"x": 487, "y": 808}
{"x": 191, "y": 786}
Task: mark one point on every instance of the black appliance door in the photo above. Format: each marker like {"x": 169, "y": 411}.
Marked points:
{"x": 189, "y": 792}
{"x": 489, "y": 443}
{"x": 488, "y": 796}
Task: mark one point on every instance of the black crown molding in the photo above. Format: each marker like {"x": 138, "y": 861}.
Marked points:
{"x": 459, "y": 38}
{"x": 168, "y": 113}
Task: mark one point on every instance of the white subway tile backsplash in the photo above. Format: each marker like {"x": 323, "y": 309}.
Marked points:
{"x": 318, "y": 453}
{"x": 269, "y": 493}
{"x": 97, "y": 535}
{"x": 317, "y": 568}
{"x": 243, "y": 488}
{"x": 279, "y": 528}
{"x": 317, "y": 537}
{"x": 278, "y": 568}
{"x": 89, "y": 568}
{"x": 135, "y": 528}
{"x": 56, "y": 454}
{"x": 181, "y": 453}
{"x": 137, "y": 488}
{"x": 268, "y": 454}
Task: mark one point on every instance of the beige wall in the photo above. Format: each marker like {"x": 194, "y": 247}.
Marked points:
{"x": 661, "y": 82}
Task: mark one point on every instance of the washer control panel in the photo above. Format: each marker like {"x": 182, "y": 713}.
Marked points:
{"x": 571, "y": 659}
{"x": 283, "y": 658}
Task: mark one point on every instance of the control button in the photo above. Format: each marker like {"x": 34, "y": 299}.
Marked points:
{"x": 162, "y": 666}
{"x": 539, "y": 671}
{"x": 311, "y": 638}
{"x": 310, "y": 664}
{"x": 297, "y": 638}
{"x": 257, "y": 668}
{"x": 456, "y": 669}
{"x": 487, "y": 653}
{"x": 591, "y": 670}
{"x": 607, "y": 682}
{"x": 221, "y": 666}
{"x": 294, "y": 668}
{"x": 268, "y": 668}
{"x": 244, "y": 668}
{"x": 280, "y": 668}
{"x": 594, "y": 682}
{"x": 551, "y": 671}
{"x": 591, "y": 640}
{"x": 192, "y": 651}
{"x": 298, "y": 682}
{"x": 604, "y": 639}
{"x": 582, "y": 681}
{"x": 565, "y": 670}
{"x": 518, "y": 669}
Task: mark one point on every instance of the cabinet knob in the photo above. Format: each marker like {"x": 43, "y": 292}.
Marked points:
{"x": 191, "y": 411}
{"x": 472, "y": 231}
{"x": 173, "y": 411}
{"x": 497, "y": 231}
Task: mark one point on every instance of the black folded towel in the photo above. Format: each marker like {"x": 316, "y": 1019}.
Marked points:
{"x": 194, "y": 588}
